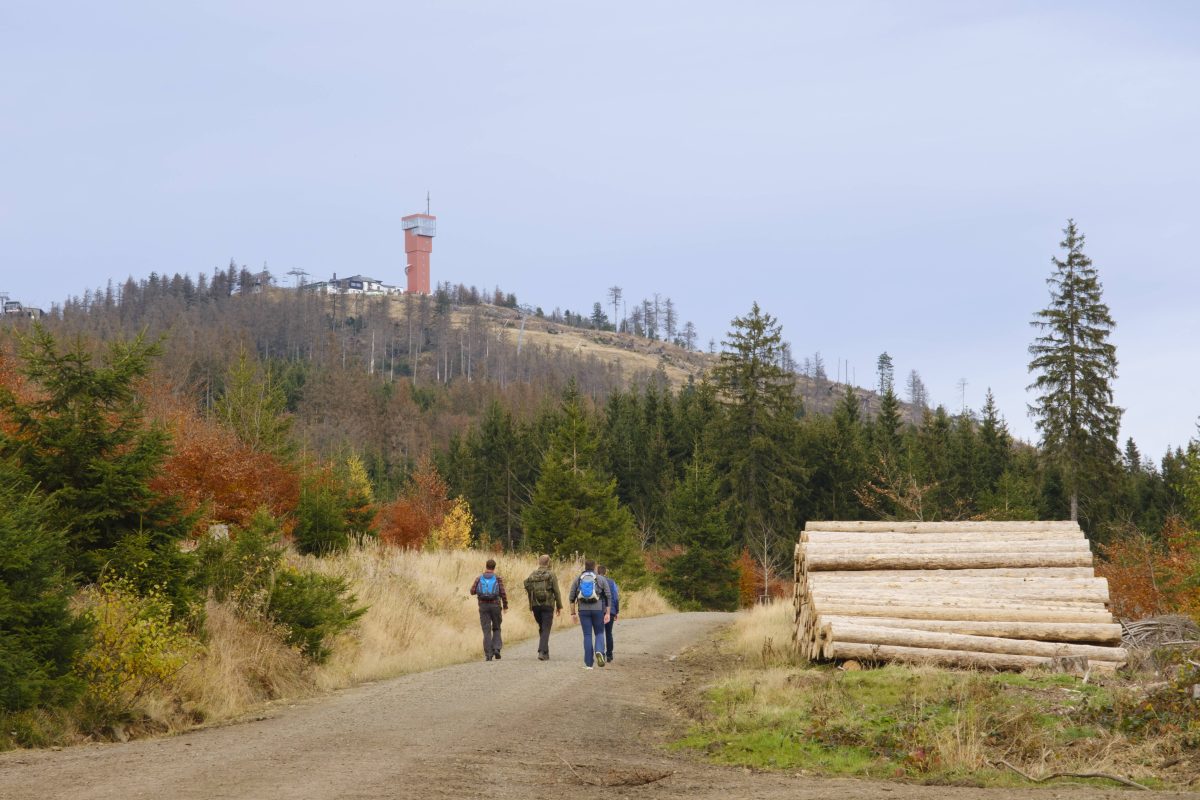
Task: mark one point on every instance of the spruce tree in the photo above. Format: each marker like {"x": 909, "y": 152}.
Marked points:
{"x": 84, "y": 441}
{"x": 39, "y": 636}
{"x": 1075, "y": 366}
{"x": 886, "y": 430}
{"x": 995, "y": 446}
{"x": 704, "y": 575}
{"x": 574, "y": 507}
{"x": 757, "y": 440}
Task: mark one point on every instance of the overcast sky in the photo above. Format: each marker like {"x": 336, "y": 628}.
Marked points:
{"x": 878, "y": 175}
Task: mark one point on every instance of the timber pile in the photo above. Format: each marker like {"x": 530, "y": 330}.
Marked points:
{"x": 1004, "y": 595}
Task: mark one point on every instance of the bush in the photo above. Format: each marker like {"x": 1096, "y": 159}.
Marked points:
{"x": 313, "y": 609}
{"x": 322, "y": 526}
{"x": 136, "y": 648}
{"x": 240, "y": 568}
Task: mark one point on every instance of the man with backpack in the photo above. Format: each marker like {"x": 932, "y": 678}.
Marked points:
{"x": 589, "y": 594}
{"x": 614, "y": 598}
{"x": 493, "y": 602}
{"x": 545, "y": 602}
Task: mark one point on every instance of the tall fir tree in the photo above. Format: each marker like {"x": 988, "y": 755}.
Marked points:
{"x": 704, "y": 575}
{"x": 574, "y": 507}
{"x": 1075, "y": 365}
{"x": 757, "y": 442}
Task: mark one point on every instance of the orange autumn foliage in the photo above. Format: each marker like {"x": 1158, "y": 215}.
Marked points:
{"x": 1147, "y": 577}
{"x": 409, "y": 520}
{"x": 215, "y": 473}
{"x": 749, "y": 583}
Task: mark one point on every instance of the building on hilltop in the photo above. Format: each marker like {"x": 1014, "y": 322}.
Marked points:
{"x": 355, "y": 284}
{"x": 419, "y": 230}
{"x": 14, "y": 308}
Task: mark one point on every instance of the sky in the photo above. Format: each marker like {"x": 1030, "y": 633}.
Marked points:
{"x": 879, "y": 176}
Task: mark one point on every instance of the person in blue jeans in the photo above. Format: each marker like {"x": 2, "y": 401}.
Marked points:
{"x": 589, "y": 602}
{"x": 614, "y": 598}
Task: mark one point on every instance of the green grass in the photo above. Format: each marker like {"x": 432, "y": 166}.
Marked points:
{"x": 921, "y": 724}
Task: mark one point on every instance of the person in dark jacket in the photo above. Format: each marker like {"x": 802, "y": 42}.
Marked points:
{"x": 493, "y": 602}
{"x": 589, "y": 602}
{"x": 615, "y": 600}
{"x": 545, "y": 601}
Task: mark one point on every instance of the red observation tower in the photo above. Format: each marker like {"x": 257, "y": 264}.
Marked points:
{"x": 419, "y": 230}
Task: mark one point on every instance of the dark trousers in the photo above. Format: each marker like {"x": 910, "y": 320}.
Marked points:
{"x": 608, "y": 639}
{"x": 544, "y": 615}
{"x": 490, "y": 619}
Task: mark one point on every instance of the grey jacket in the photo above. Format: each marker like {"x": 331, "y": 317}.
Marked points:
{"x": 601, "y": 589}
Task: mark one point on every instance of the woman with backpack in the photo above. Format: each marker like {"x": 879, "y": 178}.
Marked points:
{"x": 590, "y": 603}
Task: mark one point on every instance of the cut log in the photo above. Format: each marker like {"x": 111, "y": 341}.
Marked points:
{"x": 1048, "y": 546}
{"x": 820, "y": 561}
{"x": 1095, "y": 590}
{"x": 908, "y": 637}
{"x": 1068, "y": 573}
{"x": 1078, "y": 632}
{"x": 1014, "y": 614}
{"x": 961, "y": 658}
{"x": 941, "y": 527}
{"x": 811, "y": 537}
{"x": 822, "y": 597}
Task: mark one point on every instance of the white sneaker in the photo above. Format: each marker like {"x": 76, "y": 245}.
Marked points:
{"x": 585, "y": 666}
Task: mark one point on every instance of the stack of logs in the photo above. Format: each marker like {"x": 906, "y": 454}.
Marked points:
{"x": 1003, "y": 595}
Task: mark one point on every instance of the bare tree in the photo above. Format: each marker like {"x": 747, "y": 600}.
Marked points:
{"x": 670, "y": 319}
{"x": 917, "y": 396}
{"x": 614, "y": 297}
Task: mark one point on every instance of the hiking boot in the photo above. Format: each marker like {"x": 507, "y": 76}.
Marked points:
{"x": 487, "y": 658}
{"x": 599, "y": 659}
{"x": 497, "y": 655}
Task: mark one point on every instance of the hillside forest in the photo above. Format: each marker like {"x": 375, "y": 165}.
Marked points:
{"x": 166, "y": 441}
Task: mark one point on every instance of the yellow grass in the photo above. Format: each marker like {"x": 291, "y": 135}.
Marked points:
{"x": 421, "y": 615}
{"x": 764, "y": 633}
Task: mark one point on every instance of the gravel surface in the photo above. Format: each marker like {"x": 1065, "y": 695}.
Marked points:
{"x": 515, "y": 728}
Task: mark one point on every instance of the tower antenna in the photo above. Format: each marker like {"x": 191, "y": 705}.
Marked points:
{"x": 427, "y": 202}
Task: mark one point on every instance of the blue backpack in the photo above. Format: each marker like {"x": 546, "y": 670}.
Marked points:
{"x": 489, "y": 587}
{"x": 589, "y": 590}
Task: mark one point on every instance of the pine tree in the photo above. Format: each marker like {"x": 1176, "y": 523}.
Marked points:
{"x": 39, "y": 636}
{"x": 85, "y": 443}
{"x": 886, "y": 429}
{"x": 704, "y": 575}
{"x": 1075, "y": 365}
{"x": 757, "y": 441}
{"x": 574, "y": 508}
{"x": 886, "y": 372}
{"x": 995, "y": 445}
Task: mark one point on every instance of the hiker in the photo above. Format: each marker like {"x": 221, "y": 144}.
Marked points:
{"x": 493, "y": 602}
{"x": 589, "y": 594}
{"x": 545, "y": 601}
{"x": 614, "y": 598}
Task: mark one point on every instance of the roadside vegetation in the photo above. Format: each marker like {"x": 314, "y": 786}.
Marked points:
{"x": 930, "y": 725}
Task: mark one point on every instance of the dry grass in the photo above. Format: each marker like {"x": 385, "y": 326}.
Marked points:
{"x": 421, "y": 615}
{"x": 763, "y": 634}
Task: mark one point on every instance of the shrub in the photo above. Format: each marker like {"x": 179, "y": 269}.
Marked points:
{"x": 455, "y": 531}
{"x": 321, "y": 524}
{"x": 313, "y": 609}
{"x": 136, "y": 648}
{"x": 240, "y": 568}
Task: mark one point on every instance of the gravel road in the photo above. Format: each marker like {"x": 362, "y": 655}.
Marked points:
{"x": 516, "y": 728}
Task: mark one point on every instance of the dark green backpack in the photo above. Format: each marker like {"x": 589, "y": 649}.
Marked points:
{"x": 540, "y": 587}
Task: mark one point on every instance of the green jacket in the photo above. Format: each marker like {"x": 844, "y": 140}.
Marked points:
{"x": 543, "y": 581}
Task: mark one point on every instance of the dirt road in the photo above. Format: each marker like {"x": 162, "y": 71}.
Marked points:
{"x": 516, "y": 728}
